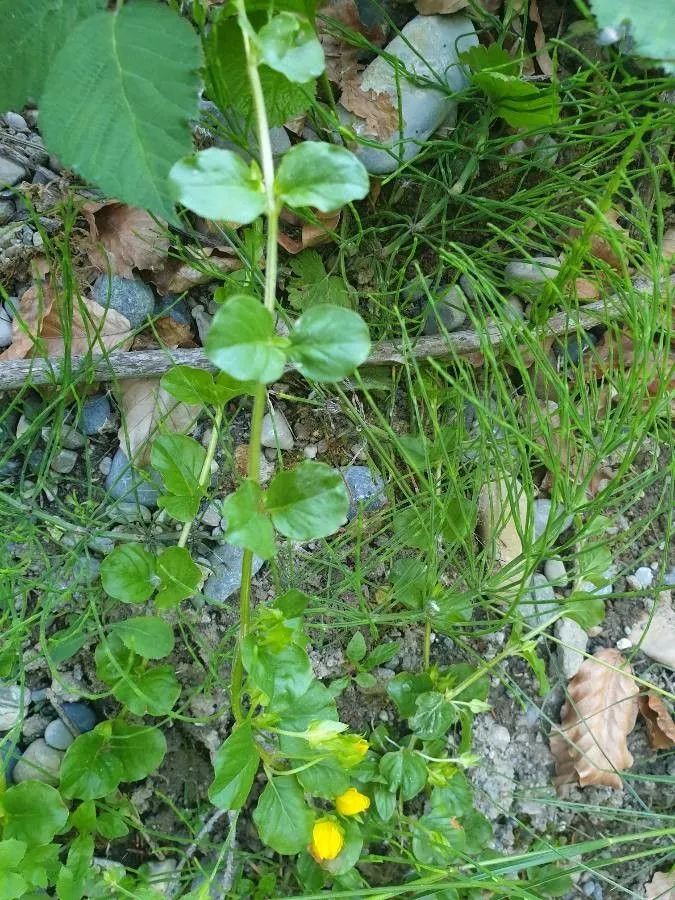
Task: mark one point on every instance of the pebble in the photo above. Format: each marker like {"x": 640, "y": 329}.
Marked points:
{"x": 574, "y": 643}
{"x": 39, "y": 762}
{"x": 14, "y": 701}
{"x": 428, "y": 47}
{"x": 366, "y": 490}
{"x": 58, "y": 736}
{"x": 265, "y": 469}
{"x": 69, "y": 437}
{"x": 129, "y": 512}
{"x": 64, "y": 462}
{"x": 44, "y": 175}
{"x": 96, "y": 414}
{"x": 175, "y": 308}
{"x": 81, "y": 715}
{"x": 310, "y": 451}
{"x": 450, "y": 310}
{"x": 105, "y": 465}
{"x": 527, "y": 275}
{"x": 5, "y": 328}
{"x": 211, "y": 515}
{"x": 542, "y": 516}
{"x": 603, "y": 590}
{"x": 7, "y": 210}
{"x": 9, "y": 755}
{"x": 641, "y": 580}
{"x": 123, "y": 482}
{"x": 129, "y": 296}
{"x": 10, "y": 172}
{"x": 542, "y": 603}
{"x": 37, "y": 240}
{"x": 225, "y": 561}
{"x": 33, "y": 727}
{"x": 154, "y": 871}
{"x": 276, "y": 432}
{"x": 624, "y": 644}
{"x": 500, "y": 737}
{"x": 17, "y": 122}
{"x": 555, "y": 572}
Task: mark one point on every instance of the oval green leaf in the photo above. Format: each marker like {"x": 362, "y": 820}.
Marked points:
{"x": 288, "y": 44}
{"x": 217, "y": 184}
{"x": 282, "y": 817}
{"x": 322, "y": 175}
{"x": 89, "y": 769}
{"x": 247, "y": 525}
{"x": 139, "y": 748}
{"x": 242, "y": 342}
{"x": 128, "y": 573}
{"x": 235, "y": 766}
{"x": 150, "y": 692}
{"x": 309, "y": 501}
{"x": 149, "y": 636}
{"x": 179, "y": 577}
{"x": 33, "y": 813}
{"x": 329, "y": 342}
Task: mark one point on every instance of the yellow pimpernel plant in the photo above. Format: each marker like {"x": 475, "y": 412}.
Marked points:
{"x": 351, "y": 802}
{"x": 327, "y": 840}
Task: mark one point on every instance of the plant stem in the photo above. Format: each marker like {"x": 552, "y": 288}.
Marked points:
{"x": 426, "y": 646}
{"x": 205, "y": 473}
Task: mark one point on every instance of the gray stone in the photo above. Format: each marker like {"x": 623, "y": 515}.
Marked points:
{"x": 450, "y": 309}
{"x": 467, "y": 285}
{"x": 96, "y": 414}
{"x": 528, "y": 276}
{"x": 539, "y": 603}
{"x": 39, "y": 762}
{"x": 64, "y": 462}
{"x": 105, "y": 465}
{"x": 34, "y": 726}
{"x": 129, "y": 296}
{"x": 225, "y": 561}
{"x": 14, "y": 701}
{"x": 81, "y": 715}
{"x": 127, "y": 511}
{"x": 544, "y": 515}
{"x": 7, "y": 210}
{"x": 555, "y": 572}
{"x": 58, "y": 736}
{"x": 176, "y": 309}
{"x": 17, "y": 122}
{"x": 159, "y": 874}
{"x": 599, "y": 590}
{"x": 276, "y": 431}
{"x": 5, "y": 328}
{"x": 69, "y": 437}
{"x": 366, "y": 490}
{"x": 10, "y": 172}
{"x": 574, "y": 641}
{"x": 9, "y": 755}
{"x": 124, "y": 482}
{"x": 642, "y": 579}
{"x": 44, "y": 175}
{"x": 429, "y": 48}
{"x": 212, "y": 515}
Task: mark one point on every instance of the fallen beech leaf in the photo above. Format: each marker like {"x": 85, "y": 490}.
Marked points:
{"x": 342, "y": 58}
{"x": 172, "y": 333}
{"x": 147, "y": 411}
{"x": 178, "y": 276}
{"x": 600, "y": 712}
{"x": 661, "y": 887}
{"x": 35, "y": 305}
{"x": 320, "y": 233}
{"x": 543, "y": 59}
{"x": 376, "y": 110}
{"x": 499, "y": 505}
{"x": 586, "y": 290}
{"x": 658, "y": 721}
{"x": 600, "y": 246}
{"x": 431, "y": 7}
{"x": 124, "y": 238}
{"x": 655, "y": 635}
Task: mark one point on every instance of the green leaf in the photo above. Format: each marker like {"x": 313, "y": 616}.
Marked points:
{"x": 283, "y": 819}
{"x": 228, "y": 82}
{"x": 454, "y": 799}
{"x": 149, "y": 692}
{"x": 587, "y": 610}
{"x": 33, "y": 813}
{"x": 11, "y": 853}
{"x": 366, "y": 681}
{"x": 289, "y": 45}
{"x": 404, "y": 771}
{"x": 90, "y": 769}
{"x": 437, "y": 840}
{"x": 433, "y": 716}
{"x": 309, "y": 501}
{"x": 405, "y": 688}
{"x": 242, "y": 342}
{"x": 311, "y": 286}
{"x": 385, "y": 802}
{"x": 235, "y": 766}
{"x": 356, "y": 648}
{"x": 492, "y": 57}
{"x": 217, "y": 184}
{"x": 128, "y": 573}
{"x": 296, "y": 713}
{"x": 651, "y": 27}
{"x": 247, "y": 525}
{"x": 84, "y": 817}
{"x": 179, "y": 460}
{"x": 149, "y": 636}
{"x": 113, "y": 660}
{"x": 329, "y": 342}
{"x": 179, "y": 577}
{"x": 287, "y": 673}
{"x": 325, "y": 779}
{"x": 292, "y": 604}
{"x": 477, "y": 830}
{"x": 519, "y": 103}
{"x": 119, "y": 99}
{"x": 13, "y": 886}
{"x": 32, "y": 34}
{"x": 139, "y": 748}
{"x": 380, "y": 655}
{"x": 196, "y": 386}
{"x": 71, "y": 879}
{"x": 321, "y": 175}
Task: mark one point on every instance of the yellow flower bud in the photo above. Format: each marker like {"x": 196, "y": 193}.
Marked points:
{"x": 352, "y": 802}
{"x": 327, "y": 840}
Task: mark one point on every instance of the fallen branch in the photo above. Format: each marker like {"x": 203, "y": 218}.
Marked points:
{"x": 15, "y": 374}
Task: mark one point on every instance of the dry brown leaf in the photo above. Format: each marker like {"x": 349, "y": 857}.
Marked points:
{"x": 655, "y": 635}
{"x": 600, "y": 712}
{"x": 342, "y": 58}
{"x": 668, "y": 246}
{"x": 658, "y": 721}
{"x": 376, "y": 110}
{"x": 661, "y": 887}
{"x": 585, "y": 289}
{"x": 177, "y": 276}
{"x": 173, "y": 333}
{"x": 124, "y": 238}
{"x": 543, "y": 59}
{"x": 498, "y": 505}
{"x": 431, "y": 7}
{"x": 147, "y": 411}
{"x": 92, "y": 327}
{"x": 320, "y": 233}
{"x": 600, "y": 246}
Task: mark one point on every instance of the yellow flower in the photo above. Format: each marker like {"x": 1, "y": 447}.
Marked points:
{"x": 352, "y": 802}
{"x": 327, "y": 840}
{"x": 362, "y": 746}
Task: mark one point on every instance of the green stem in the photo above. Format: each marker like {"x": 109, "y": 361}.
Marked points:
{"x": 426, "y": 646}
{"x": 205, "y": 473}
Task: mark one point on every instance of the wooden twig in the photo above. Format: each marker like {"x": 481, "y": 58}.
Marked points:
{"x": 14, "y": 374}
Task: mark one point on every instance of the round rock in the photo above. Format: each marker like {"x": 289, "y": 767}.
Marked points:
{"x": 64, "y": 462}
{"x": 58, "y": 736}
{"x": 10, "y": 172}
{"x": 39, "y": 762}
{"x": 529, "y": 275}
{"x": 124, "y": 482}
{"x": 450, "y": 310}
{"x": 276, "y": 432}
{"x": 9, "y": 756}
{"x": 225, "y": 561}
{"x": 555, "y": 572}
{"x": 14, "y": 701}
{"x": 366, "y": 490}
{"x": 129, "y": 296}
{"x": 574, "y": 641}
{"x": 175, "y": 308}
{"x": 81, "y": 715}
{"x": 96, "y": 414}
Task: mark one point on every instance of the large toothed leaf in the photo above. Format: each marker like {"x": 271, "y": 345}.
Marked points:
{"x": 118, "y": 101}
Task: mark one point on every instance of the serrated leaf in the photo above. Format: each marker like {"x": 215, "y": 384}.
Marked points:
{"x": 149, "y": 636}
{"x": 228, "y": 82}
{"x": 33, "y": 813}
{"x": 128, "y": 573}
{"x": 235, "y": 766}
{"x": 289, "y": 45}
{"x": 283, "y": 819}
{"x": 247, "y": 525}
{"x": 218, "y": 184}
{"x": 120, "y": 95}
{"x": 329, "y": 342}
{"x": 179, "y": 577}
{"x": 321, "y": 175}
{"x": 32, "y": 34}
{"x": 309, "y": 501}
{"x": 519, "y": 103}
{"x": 651, "y": 27}
{"x": 242, "y": 342}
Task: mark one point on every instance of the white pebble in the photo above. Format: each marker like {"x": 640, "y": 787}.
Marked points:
{"x": 276, "y": 431}
{"x": 623, "y": 644}
{"x": 310, "y": 451}
{"x": 642, "y": 579}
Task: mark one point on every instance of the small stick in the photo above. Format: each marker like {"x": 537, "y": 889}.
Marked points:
{"x": 14, "y": 374}
{"x": 204, "y": 831}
